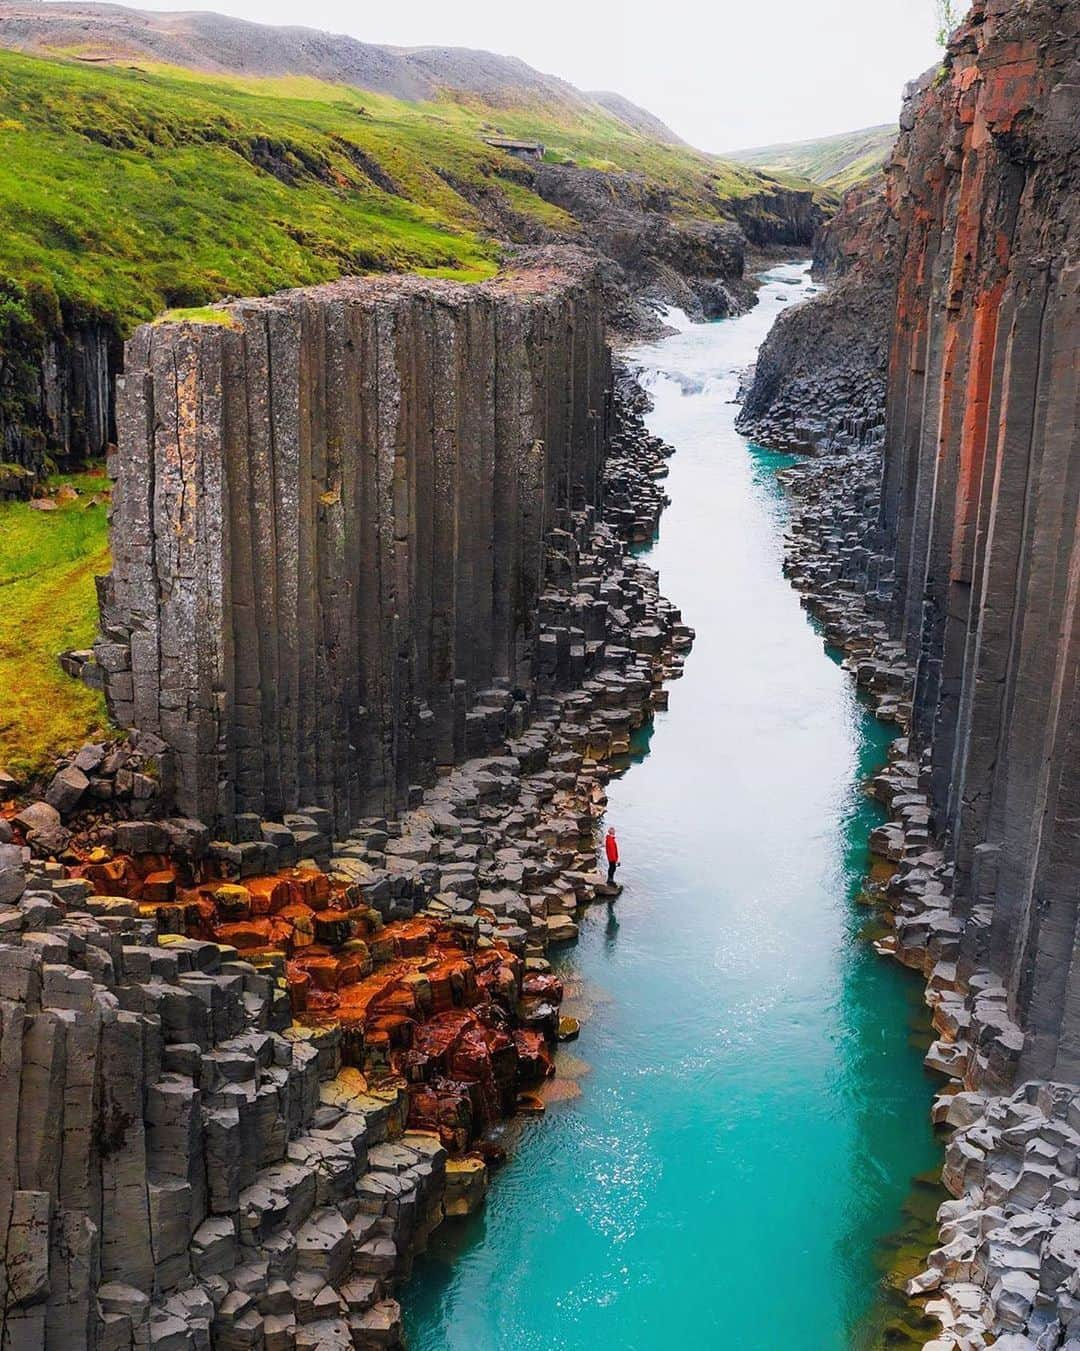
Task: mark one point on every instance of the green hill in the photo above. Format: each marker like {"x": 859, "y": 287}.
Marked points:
{"x": 836, "y": 162}
{"x": 125, "y": 191}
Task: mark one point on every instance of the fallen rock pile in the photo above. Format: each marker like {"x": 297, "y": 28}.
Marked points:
{"x": 87, "y": 793}
{"x": 635, "y": 466}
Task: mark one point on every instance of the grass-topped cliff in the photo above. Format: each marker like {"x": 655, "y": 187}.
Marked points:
{"x": 155, "y": 161}
{"x": 127, "y": 191}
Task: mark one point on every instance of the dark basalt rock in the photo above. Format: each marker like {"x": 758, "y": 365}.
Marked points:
{"x": 55, "y": 398}
{"x": 946, "y": 569}
{"x": 981, "y": 493}
{"x": 819, "y": 380}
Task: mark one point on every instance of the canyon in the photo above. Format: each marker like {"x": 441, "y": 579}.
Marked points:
{"x": 946, "y": 567}
{"x": 286, "y": 963}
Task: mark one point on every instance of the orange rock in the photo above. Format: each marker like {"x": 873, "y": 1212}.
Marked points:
{"x": 233, "y": 902}
{"x": 299, "y": 984}
{"x": 116, "y": 877}
{"x": 159, "y": 886}
{"x": 144, "y": 864}
{"x": 327, "y": 972}
{"x": 245, "y": 933}
{"x": 308, "y": 887}
{"x": 397, "y": 1028}
{"x": 534, "y": 1058}
{"x": 268, "y": 894}
{"x": 399, "y": 999}
{"x": 282, "y": 934}
{"x": 301, "y": 919}
{"x": 323, "y": 1002}
{"x": 546, "y": 987}
{"x": 411, "y": 938}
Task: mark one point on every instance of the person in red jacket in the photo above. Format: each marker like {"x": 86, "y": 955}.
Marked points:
{"x": 611, "y": 850}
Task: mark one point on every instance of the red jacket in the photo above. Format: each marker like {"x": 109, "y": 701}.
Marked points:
{"x": 611, "y": 848}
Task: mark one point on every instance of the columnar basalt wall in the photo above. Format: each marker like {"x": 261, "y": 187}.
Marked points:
{"x": 329, "y": 528}
{"x": 982, "y": 488}
{"x": 950, "y": 583}
{"x": 245, "y": 1080}
{"x": 56, "y": 395}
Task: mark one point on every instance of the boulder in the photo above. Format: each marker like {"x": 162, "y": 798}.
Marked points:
{"x": 66, "y": 790}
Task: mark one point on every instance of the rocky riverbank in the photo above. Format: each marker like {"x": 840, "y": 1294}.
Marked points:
{"x": 249, "y": 1077}
{"x": 1005, "y": 1270}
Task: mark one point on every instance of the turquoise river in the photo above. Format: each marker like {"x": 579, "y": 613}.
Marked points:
{"x": 753, "y": 1106}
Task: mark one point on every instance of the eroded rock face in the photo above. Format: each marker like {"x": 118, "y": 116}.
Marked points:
{"x": 330, "y": 528}
{"x": 981, "y": 491}
{"x": 56, "y": 396}
{"x": 819, "y": 380}
{"x": 950, "y": 582}
{"x": 650, "y": 256}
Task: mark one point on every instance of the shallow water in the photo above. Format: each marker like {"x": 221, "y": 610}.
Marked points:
{"x": 754, "y": 1108}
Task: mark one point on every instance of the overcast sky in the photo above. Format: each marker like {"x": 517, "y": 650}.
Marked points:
{"x": 725, "y": 75}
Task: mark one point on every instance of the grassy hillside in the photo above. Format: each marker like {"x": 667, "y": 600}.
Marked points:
{"x": 837, "y": 162}
{"x": 126, "y": 191}
{"x": 48, "y": 561}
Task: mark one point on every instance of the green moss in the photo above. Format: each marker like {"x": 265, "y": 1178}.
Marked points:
{"x": 201, "y": 314}
{"x": 834, "y": 162}
{"x": 128, "y": 192}
{"x": 48, "y": 560}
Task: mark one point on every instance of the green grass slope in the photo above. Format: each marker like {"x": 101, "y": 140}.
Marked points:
{"x": 48, "y": 560}
{"x": 127, "y": 191}
{"x": 837, "y": 162}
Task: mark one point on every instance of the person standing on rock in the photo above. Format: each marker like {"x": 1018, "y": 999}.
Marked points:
{"x": 611, "y": 850}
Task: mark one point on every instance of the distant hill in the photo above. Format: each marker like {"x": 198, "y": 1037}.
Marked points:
{"x": 150, "y": 159}
{"x": 216, "y": 43}
{"x": 836, "y": 162}
{"x": 167, "y": 160}
{"x": 638, "y": 118}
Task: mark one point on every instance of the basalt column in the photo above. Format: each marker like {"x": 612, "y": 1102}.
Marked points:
{"x": 982, "y": 492}
{"x": 329, "y": 526}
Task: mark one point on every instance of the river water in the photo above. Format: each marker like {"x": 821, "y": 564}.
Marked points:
{"x": 753, "y": 1106}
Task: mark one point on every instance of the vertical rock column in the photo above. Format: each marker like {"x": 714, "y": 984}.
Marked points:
{"x": 329, "y": 523}
{"x": 981, "y": 494}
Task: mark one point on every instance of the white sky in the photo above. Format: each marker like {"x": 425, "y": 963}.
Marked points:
{"x": 725, "y": 75}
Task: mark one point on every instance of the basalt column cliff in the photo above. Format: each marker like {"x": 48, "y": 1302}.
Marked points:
{"x": 947, "y": 566}
{"x": 249, "y": 1064}
{"x": 329, "y": 520}
{"x": 981, "y": 494}
{"x": 965, "y": 537}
